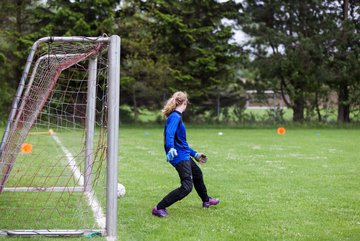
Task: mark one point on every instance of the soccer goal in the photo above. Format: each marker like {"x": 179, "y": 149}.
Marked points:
{"x": 59, "y": 151}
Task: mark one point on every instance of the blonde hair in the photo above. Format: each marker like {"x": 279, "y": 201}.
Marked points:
{"x": 177, "y": 99}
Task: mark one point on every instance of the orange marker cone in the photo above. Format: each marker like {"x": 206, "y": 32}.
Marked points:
{"x": 26, "y": 148}
{"x": 281, "y": 131}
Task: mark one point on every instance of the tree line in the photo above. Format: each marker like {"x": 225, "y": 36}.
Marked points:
{"x": 302, "y": 50}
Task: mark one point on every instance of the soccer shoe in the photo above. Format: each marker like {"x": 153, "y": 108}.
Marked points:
{"x": 159, "y": 212}
{"x": 212, "y": 201}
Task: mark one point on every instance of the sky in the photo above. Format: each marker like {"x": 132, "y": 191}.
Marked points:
{"x": 239, "y": 36}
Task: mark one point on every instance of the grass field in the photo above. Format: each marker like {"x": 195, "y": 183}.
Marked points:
{"x": 303, "y": 185}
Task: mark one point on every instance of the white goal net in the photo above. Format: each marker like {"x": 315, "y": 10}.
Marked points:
{"x": 60, "y": 140}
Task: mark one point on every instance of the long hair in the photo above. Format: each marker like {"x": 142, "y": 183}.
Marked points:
{"x": 177, "y": 99}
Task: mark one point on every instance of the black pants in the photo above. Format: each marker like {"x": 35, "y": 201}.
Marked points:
{"x": 190, "y": 175}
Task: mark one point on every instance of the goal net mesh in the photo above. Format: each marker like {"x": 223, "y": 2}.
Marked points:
{"x": 42, "y": 166}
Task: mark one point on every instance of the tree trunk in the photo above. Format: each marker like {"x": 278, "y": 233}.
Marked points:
{"x": 218, "y": 104}
{"x": 345, "y": 9}
{"x": 317, "y": 107}
{"x": 298, "y": 109}
{"x": 135, "y": 107}
{"x": 18, "y": 16}
{"x": 343, "y": 103}
{"x": 19, "y": 30}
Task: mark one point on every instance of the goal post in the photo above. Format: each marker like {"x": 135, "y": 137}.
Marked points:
{"x": 59, "y": 150}
{"x": 114, "y": 99}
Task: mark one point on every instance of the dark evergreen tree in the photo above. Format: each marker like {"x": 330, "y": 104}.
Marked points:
{"x": 17, "y": 27}
{"x": 287, "y": 38}
{"x": 195, "y": 39}
{"x": 305, "y": 49}
{"x": 344, "y": 54}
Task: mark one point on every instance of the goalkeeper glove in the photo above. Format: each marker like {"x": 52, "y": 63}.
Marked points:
{"x": 200, "y": 157}
{"x": 171, "y": 154}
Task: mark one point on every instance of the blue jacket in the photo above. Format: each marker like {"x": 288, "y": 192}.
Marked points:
{"x": 175, "y": 137}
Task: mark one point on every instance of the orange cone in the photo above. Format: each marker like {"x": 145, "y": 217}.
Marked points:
{"x": 281, "y": 131}
{"x": 26, "y": 148}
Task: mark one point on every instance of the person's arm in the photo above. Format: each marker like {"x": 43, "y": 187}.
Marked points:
{"x": 193, "y": 153}
{"x": 172, "y": 125}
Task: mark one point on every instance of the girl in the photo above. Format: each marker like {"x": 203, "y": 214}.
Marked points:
{"x": 178, "y": 153}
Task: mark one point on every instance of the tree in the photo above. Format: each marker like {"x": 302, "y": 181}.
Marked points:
{"x": 145, "y": 71}
{"x": 82, "y": 18}
{"x": 192, "y": 33}
{"x": 306, "y": 49}
{"x": 287, "y": 41}
{"x": 344, "y": 53}
{"x": 17, "y": 30}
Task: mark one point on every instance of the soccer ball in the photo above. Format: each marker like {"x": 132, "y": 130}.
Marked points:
{"x": 121, "y": 190}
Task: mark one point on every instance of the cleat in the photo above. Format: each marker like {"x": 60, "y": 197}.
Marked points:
{"x": 211, "y": 202}
{"x": 159, "y": 212}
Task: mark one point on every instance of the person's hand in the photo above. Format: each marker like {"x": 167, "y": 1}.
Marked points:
{"x": 201, "y": 158}
{"x": 171, "y": 154}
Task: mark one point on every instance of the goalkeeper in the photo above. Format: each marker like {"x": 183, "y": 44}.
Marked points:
{"x": 180, "y": 155}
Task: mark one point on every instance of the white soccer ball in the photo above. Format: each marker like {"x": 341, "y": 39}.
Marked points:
{"x": 121, "y": 190}
{"x": 220, "y": 133}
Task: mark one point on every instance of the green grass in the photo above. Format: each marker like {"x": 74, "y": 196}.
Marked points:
{"x": 300, "y": 186}
{"x": 303, "y": 185}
